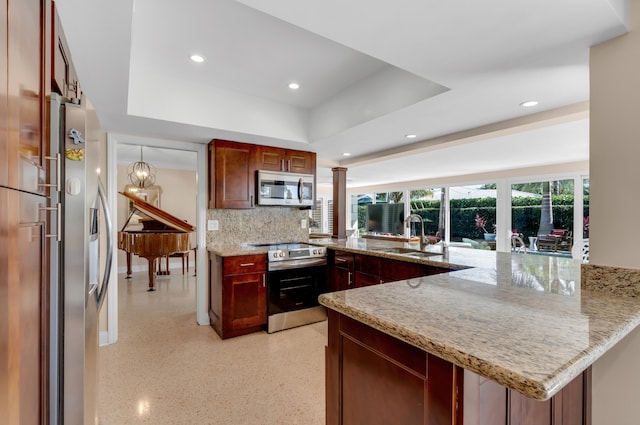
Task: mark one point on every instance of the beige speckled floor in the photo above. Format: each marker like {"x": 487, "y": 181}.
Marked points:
{"x": 165, "y": 369}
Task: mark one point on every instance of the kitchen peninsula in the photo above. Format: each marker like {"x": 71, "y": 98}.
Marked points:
{"x": 502, "y": 339}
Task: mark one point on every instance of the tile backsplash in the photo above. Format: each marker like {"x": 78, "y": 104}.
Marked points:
{"x": 258, "y": 225}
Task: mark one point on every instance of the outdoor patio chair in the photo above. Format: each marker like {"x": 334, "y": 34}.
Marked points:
{"x": 558, "y": 240}
{"x": 517, "y": 244}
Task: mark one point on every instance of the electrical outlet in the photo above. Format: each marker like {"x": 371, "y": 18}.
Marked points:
{"x": 212, "y": 224}
{"x": 303, "y": 223}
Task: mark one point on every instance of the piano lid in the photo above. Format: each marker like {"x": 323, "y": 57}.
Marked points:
{"x": 158, "y": 214}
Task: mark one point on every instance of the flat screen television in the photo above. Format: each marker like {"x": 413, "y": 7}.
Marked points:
{"x": 385, "y": 218}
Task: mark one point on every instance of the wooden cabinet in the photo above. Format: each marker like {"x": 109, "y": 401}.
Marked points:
{"x": 374, "y": 378}
{"x": 23, "y": 310}
{"x": 357, "y": 270}
{"x": 371, "y": 270}
{"x": 4, "y": 99}
{"x": 486, "y": 402}
{"x": 238, "y": 294}
{"x": 233, "y": 166}
{"x": 232, "y": 170}
{"x": 279, "y": 159}
{"x": 24, "y": 294}
{"x": 342, "y": 270}
{"x": 367, "y": 270}
{"x": 64, "y": 79}
{"x": 23, "y": 153}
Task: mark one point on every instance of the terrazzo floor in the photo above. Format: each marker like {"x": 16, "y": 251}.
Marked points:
{"x": 165, "y": 369}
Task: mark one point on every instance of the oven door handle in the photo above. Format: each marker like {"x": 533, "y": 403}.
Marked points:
{"x": 297, "y": 264}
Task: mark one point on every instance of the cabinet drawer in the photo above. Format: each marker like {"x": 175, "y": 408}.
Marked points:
{"x": 244, "y": 264}
{"x": 343, "y": 260}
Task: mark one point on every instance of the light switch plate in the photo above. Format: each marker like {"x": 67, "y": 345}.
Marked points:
{"x": 212, "y": 224}
{"x": 303, "y": 223}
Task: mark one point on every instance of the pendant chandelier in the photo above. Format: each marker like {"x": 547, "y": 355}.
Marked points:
{"x": 142, "y": 174}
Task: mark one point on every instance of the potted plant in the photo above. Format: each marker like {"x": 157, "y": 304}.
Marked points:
{"x": 481, "y": 223}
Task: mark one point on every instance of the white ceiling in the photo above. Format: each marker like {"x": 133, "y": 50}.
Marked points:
{"x": 370, "y": 72}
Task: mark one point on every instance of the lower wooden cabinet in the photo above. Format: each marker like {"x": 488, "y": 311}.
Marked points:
{"x": 350, "y": 270}
{"x": 487, "y": 403}
{"x": 374, "y": 378}
{"x": 24, "y": 324}
{"x": 341, "y": 265}
{"x": 237, "y": 294}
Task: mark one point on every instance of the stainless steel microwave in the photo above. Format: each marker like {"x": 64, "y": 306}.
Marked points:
{"x": 285, "y": 189}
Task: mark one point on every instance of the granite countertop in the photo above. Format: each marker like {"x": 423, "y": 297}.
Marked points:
{"x": 525, "y": 321}
{"x": 529, "y": 322}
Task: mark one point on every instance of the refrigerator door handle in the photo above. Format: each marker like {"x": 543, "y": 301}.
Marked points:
{"x": 109, "y": 259}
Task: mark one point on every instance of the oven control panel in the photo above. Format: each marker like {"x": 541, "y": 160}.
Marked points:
{"x": 296, "y": 254}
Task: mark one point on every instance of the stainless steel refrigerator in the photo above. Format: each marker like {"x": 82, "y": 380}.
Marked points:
{"x": 80, "y": 269}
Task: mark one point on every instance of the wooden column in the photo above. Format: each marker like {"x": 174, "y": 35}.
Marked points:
{"x": 339, "y": 203}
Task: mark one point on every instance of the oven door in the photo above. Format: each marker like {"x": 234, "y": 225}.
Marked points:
{"x": 294, "y": 289}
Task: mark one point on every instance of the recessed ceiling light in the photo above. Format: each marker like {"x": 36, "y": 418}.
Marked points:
{"x": 346, "y": 154}
{"x": 197, "y": 58}
{"x": 529, "y": 103}
{"x": 294, "y": 86}
{"x": 410, "y": 136}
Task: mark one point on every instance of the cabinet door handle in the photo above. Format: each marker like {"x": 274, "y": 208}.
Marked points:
{"x": 246, "y": 264}
{"x": 264, "y": 283}
{"x": 282, "y": 165}
{"x": 55, "y": 158}
{"x": 251, "y": 201}
{"x": 289, "y": 165}
{"x": 341, "y": 260}
{"x": 58, "y": 211}
{"x": 349, "y": 282}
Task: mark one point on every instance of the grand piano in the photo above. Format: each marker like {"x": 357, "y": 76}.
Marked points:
{"x": 161, "y": 235}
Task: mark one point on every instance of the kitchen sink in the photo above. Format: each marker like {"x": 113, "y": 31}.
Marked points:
{"x": 410, "y": 252}
{"x": 395, "y": 250}
{"x": 420, "y": 254}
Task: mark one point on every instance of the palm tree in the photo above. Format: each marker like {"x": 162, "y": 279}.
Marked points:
{"x": 546, "y": 213}
{"x": 441, "y": 215}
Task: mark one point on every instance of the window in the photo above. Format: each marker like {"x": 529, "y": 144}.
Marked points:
{"x": 543, "y": 212}
{"x": 450, "y": 212}
{"x": 330, "y": 214}
{"x": 317, "y": 217}
{"x": 585, "y": 208}
{"x": 429, "y": 204}
{"x": 473, "y": 215}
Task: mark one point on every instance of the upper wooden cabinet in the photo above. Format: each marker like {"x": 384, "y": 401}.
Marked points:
{"x": 64, "y": 79}
{"x": 233, "y": 166}
{"x": 232, "y": 172}
{"x": 4, "y": 119}
{"x": 279, "y": 159}
{"x": 22, "y": 142}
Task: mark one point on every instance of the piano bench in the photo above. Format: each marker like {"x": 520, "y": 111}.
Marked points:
{"x": 185, "y": 257}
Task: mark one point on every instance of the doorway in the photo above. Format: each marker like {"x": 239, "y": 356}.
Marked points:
{"x": 179, "y": 159}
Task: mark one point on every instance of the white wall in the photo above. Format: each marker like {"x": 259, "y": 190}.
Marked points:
{"x": 615, "y": 205}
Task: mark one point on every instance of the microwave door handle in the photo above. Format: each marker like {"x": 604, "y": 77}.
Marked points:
{"x": 300, "y": 190}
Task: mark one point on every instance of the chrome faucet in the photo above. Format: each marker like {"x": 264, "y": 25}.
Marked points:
{"x": 408, "y": 220}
